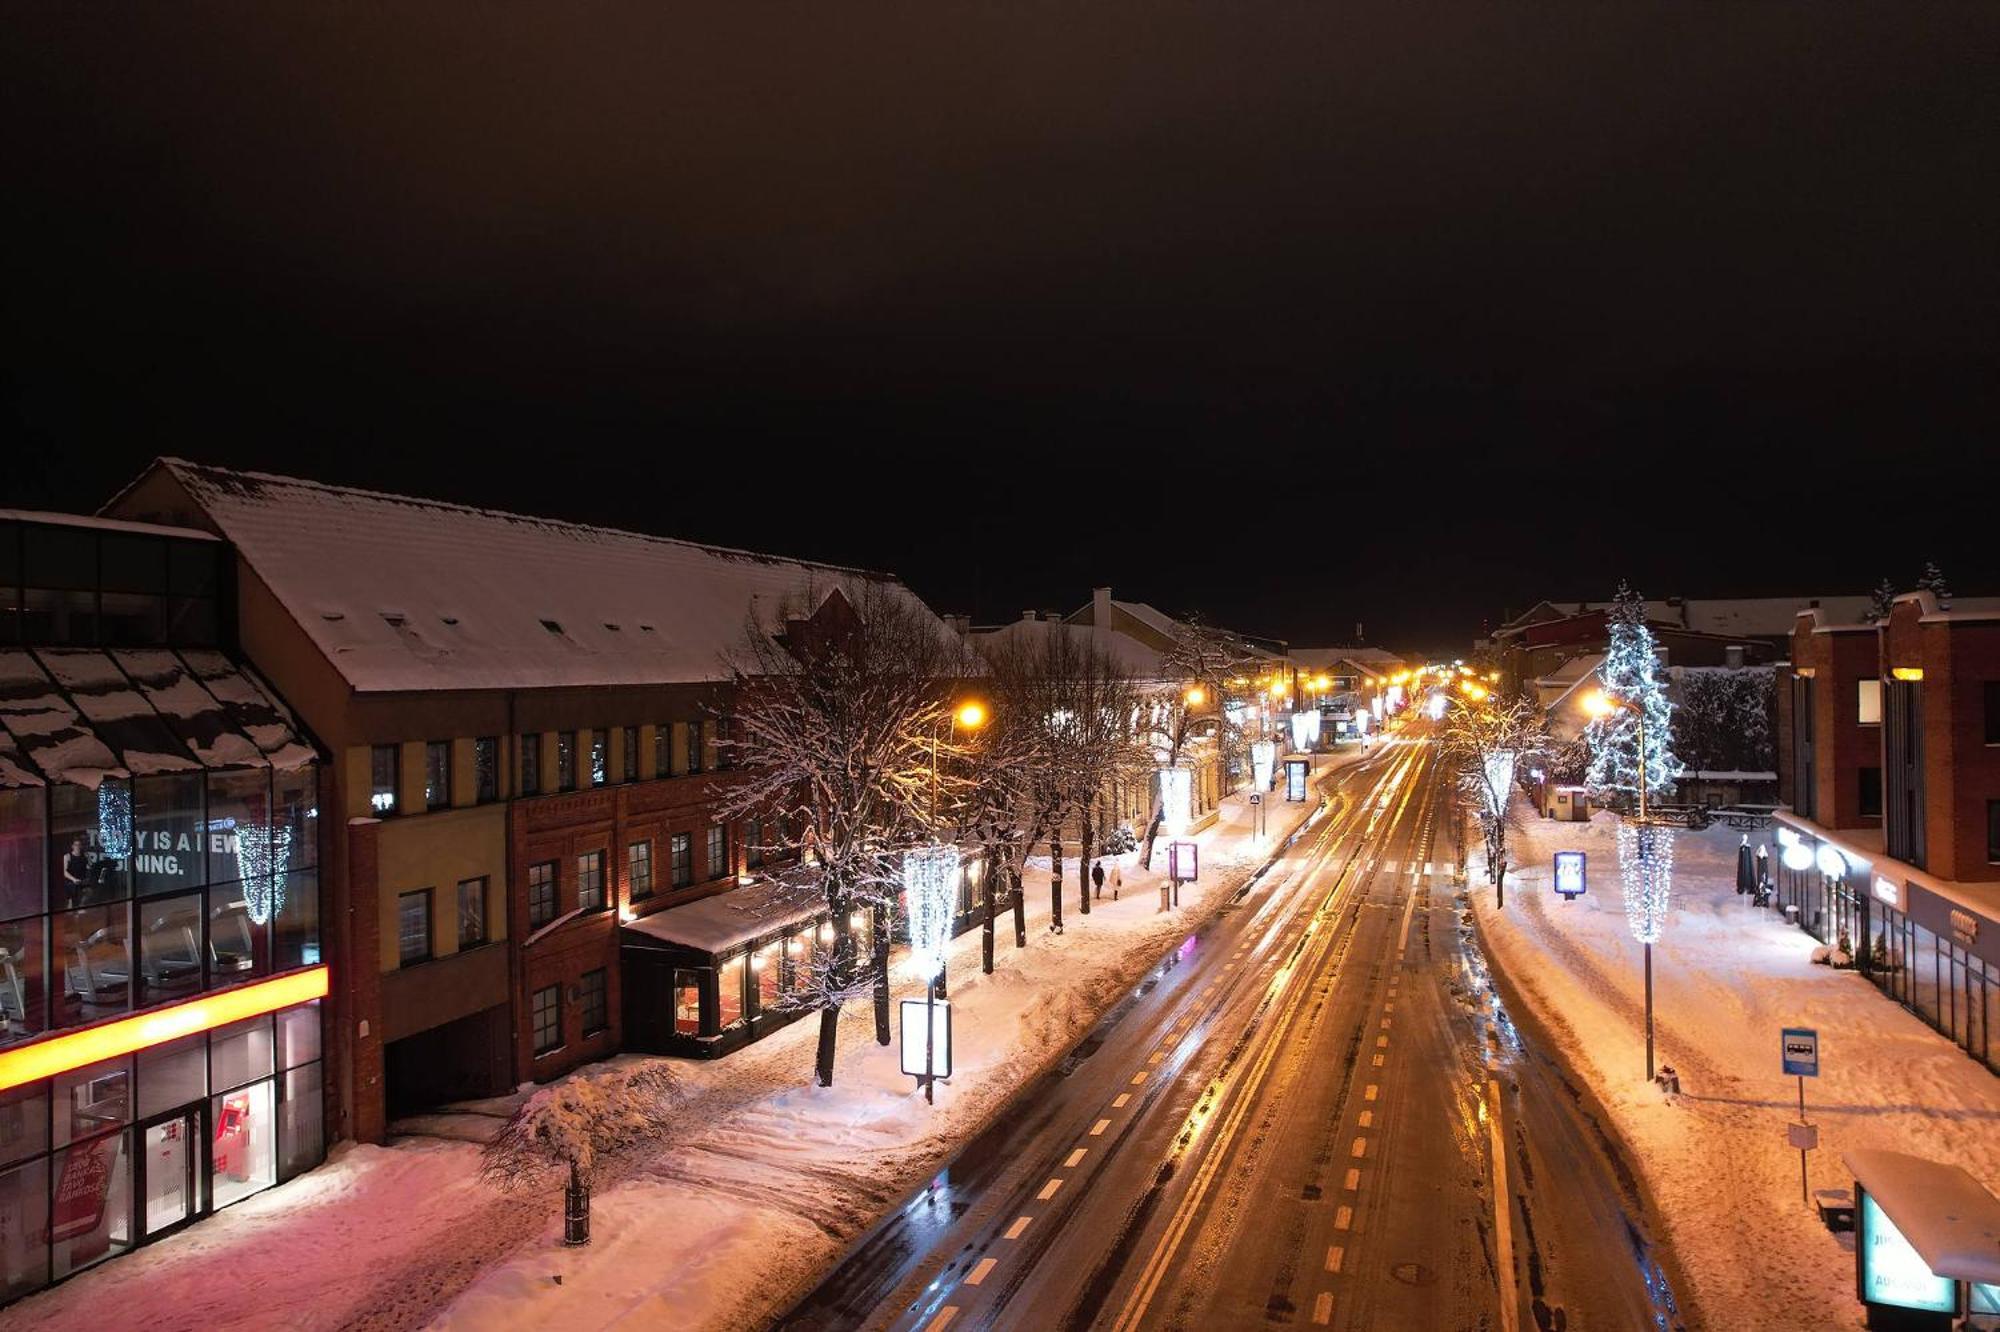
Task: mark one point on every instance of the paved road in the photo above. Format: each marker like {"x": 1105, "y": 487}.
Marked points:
{"x": 1302, "y": 1116}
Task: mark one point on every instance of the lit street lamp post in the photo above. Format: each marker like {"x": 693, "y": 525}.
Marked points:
{"x": 1599, "y": 704}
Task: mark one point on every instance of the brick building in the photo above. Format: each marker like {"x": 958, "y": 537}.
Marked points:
{"x": 1889, "y": 754}
{"x": 525, "y": 720}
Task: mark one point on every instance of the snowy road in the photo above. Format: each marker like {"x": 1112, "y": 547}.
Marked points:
{"x": 1294, "y": 1121}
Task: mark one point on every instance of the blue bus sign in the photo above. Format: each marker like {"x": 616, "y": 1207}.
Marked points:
{"x": 1570, "y": 873}
{"x": 1799, "y": 1049}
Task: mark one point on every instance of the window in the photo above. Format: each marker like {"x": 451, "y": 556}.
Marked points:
{"x": 639, "y": 870}
{"x": 1993, "y": 832}
{"x": 486, "y": 769}
{"x": 631, "y": 773}
{"x": 531, "y": 764}
{"x": 541, "y": 894}
{"x": 566, "y": 760}
{"x": 767, "y": 965}
{"x": 437, "y": 774}
{"x": 596, "y": 1011}
{"x": 590, "y": 881}
{"x": 729, "y": 991}
{"x": 1868, "y": 788}
{"x": 471, "y": 912}
{"x": 382, "y": 767}
{"x": 682, "y": 851}
{"x": 694, "y": 746}
{"x": 1992, "y": 690}
{"x": 1868, "y": 706}
{"x": 725, "y": 752}
{"x": 687, "y": 1002}
{"x": 663, "y": 749}
{"x": 546, "y": 1009}
{"x": 600, "y": 757}
{"x": 753, "y": 848}
{"x": 718, "y": 851}
{"x": 413, "y": 927}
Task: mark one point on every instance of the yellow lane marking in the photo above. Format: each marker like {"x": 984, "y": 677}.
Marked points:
{"x": 1342, "y": 1219}
{"x": 1076, "y": 1156}
{"x": 1020, "y": 1224}
{"x": 1360, "y": 1147}
{"x": 1323, "y": 1308}
{"x": 1353, "y": 1180}
{"x": 1334, "y": 1254}
{"x": 943, "y": 1319}
{"x": 978, "y": 1274}
{"x": 1049, "y": 1190}
{"x": 1138, "y": 1077}
{"x": 1099, "y": 1127}
{"x": 1118, "y": 1101}
{"x": 1369, "y": 1093}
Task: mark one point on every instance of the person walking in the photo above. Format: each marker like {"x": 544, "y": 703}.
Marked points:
{"x": 1117, "y": 879}
{"x": 1097, "y": 878}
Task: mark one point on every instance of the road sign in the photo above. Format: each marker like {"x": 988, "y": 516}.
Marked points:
{"x": 1570, "y": 873}
{"x": 1803, "y": 1137}
{"x": 1799, "y": 1048}
{"x": 1256, "y": 799}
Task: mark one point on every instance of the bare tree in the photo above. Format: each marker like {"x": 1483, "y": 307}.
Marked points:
{"x": 1198, "y": 669}
{"x": 843, "y": 710}
{"x": 1485, "y": 735}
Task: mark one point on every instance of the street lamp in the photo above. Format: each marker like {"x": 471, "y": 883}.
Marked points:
{"x": 1645, "y": 857}
{"x": 930, "y": 881}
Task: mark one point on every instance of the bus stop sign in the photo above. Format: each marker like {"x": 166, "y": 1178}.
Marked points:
{"x": 1799, "y": 1049}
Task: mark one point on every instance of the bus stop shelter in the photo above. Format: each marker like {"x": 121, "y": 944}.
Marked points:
{"x": 1926, "y": 1241}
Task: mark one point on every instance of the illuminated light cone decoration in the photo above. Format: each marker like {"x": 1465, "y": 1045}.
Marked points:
{"x": 1646, "y": 864}
{"x": 930, "y": 888}
{"x": 114, "y": 819}
{"x": 262, "y": 855}
{"x": 1264, "y": 763}
{"x": 1305, "y": 729}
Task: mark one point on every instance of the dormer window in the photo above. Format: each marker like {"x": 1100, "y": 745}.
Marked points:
{"x": 552, "y": 626}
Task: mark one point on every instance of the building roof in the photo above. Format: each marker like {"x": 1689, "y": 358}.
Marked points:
{"x": 1134, "y": 658}
{"x": 405, "y": 594}
{"x": 1368, "y": 658}
{"x": 1947, "y": 1216}
{"x": 1724, "y": 617}
{"x": 80, "y": 715}
{"x": 736, "y": 916}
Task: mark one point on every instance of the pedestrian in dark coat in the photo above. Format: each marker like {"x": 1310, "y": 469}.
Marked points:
{"x": 1097, "y": 876}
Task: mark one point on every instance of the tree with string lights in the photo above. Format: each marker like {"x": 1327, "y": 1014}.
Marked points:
{"x": 1633, "y": 744}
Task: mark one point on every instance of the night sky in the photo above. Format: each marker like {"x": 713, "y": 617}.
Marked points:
{"x": 1296, "y": 314}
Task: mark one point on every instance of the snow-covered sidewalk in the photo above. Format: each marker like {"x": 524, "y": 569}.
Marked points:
{"x": 1727, "y": 978}
{"x": 752, "y": 1182}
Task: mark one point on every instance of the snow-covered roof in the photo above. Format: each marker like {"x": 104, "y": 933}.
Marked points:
{"x": 79, "y": 715}
{"x": 1762, "y": 617}
{"x": 1136, "y": 659}
{"x": 1958, "y": 608}
{"x": 1949, "y": 1218}
{"x": 406, "y": 594}
{"x": 49, "y": 518}
{"x": 1368, "y": 658}
{"x": 736, "y": 916}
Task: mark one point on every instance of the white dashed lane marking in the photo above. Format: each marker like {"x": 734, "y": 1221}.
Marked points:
{"x": 1367, "y": 1119}
{"x": 1074, "y": 1157}
{"x": 1049, "y": 1190}
{"x": 943, "y": 1319}
{"x": 1369, "y": 1093}
{"x": 1118, "y": 1101}
{"x": 1099, "y": 1127}
{"x": 1334, "y": 1254}
{"x": 1360, "y": 1147}
{"x": 1020, "y": 1224}
{"x": 1378, "y": 1061}
{"x": 1138, "y": 1077}
{"x": 1353, "y": 1180}
{"x": 978, "y": 1273}
{"x": 1342, "y": 1219}
{"x": 1323, "y": 1308}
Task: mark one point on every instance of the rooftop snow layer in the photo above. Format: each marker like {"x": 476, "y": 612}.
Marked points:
{"x": 409, "y": 594}
{"x": 1134, "y": 658}
{"x": 728, "y": 919}
{"x": 1948, "y": 1217}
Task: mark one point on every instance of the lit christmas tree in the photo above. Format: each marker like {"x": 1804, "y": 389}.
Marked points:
{"x": 1630, "y": 675}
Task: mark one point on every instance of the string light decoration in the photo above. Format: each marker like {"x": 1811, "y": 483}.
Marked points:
{"x": 1177, "y": 799}
{"x": 1305, "y": 729}
{"x": 930, "y": 888}
{"x": 1646, "y": 865}
{"x": 1630, "y": 674}
{"x": 1499, "y": 767}
{"x": 262, "y": 854}
{"x": 114, "y": 819}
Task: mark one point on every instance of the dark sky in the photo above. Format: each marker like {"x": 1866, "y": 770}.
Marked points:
{"x": 1297, "y": 313}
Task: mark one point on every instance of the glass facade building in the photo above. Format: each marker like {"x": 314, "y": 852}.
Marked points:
{"x": 159, "y": 871}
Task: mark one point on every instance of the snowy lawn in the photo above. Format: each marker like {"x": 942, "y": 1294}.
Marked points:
{"x": 1726, "y": 978}
{"x": 752, "y": 1181}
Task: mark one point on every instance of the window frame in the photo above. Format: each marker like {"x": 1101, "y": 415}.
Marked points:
{"x": 1862, "y": 700}
{"x": 488, "y": 746}
{"x": 403, "y": 901}
{"x": 566, "y": 761}
{"x": 536, "y": 1011}
{"x": 528, "y": 774}
{"x": 602, "y": 1001}
{"x": 440, "y": 798}
{"x": 634, "y": 892}
{"x": 376, "y": 791}
{"x": 589, "y": 865}
{"x": 479, "y": 884}
{"x": 715, "y": 846}
{"x": 554, "y": 886}
{"x": 680, "y": 859}
{"x": 631, "y": 772}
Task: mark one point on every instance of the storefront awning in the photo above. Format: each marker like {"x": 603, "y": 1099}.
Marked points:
{"x": 734, "y": 917}
{"x": 1948, "y": 1217}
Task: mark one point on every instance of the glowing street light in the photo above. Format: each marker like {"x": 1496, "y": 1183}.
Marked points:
{"x": 971, "y": 714}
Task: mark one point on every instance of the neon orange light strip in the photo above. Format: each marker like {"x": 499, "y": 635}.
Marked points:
{"x": 60, "y": 1054}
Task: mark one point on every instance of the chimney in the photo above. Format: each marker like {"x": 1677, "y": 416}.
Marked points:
{"x": 960, "y": 624}
{"x": 1053, "y": 617}
{"x": 1100, "y": 607}
{"x": 1027, "y": 615}
{"x": 1358, "y": 639}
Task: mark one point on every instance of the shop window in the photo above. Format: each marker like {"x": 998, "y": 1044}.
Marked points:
{"x": 798, "y": 964}
{"x": 295, "y": 795}
{"x": 241, "y": 1052}
{"x": 566, "y": 760}
{"x": 90, "y": 1217}
{"x": 729, "y": 990}
{"x": 531, "y": 764}
{"x": 546, "y": 1009}
{"x": 768, "y": 965}
{"x": 301, "y": 1120}
{"x": 631, "y": 745}
{"x": 718, "y": 851}
{"x": 471, "y": 912}
{"x": 1868, "y": 792}
{"x": 541, "y": 894}
{"x": 240, "y": 840}
{"x": 295, "y": 932}
{"x": 298, "y": 1035}
{"x": 687, "y": 1002}
{"x": 167, "y": 843}
{"x": 23, "y": 1011}
{"x": 593, "y": 1000}
{"x": 243, "y": 1155}
{"x": 413, "y": 927}
{"x": 437, "y": 774}
{"x": 681, "y": 850}
{"x": 91, "y": 1100}
{"x": 600, "y": 757}
{"x": 24, "y": 1122}
{"x": 237, "y": 944}
{"x": 92, "y": 959}
{"x": 1868, "y": 702}
{"x": 91, "y": 834}
{"x": 24, "y": 1237}
{"x": 170, "y": 960}
{"x": 384, "y": 766}
{"x": 590, "y": 881}
{"x": 173, "y": 1075}
{"x": 23, "y": 851}
{"x": 639, "y": 870}
{"x": 486, "y": 769}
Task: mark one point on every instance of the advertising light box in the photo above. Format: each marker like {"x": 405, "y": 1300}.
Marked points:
{"x": 1295, "y": 779}
{"x": 1570, "y": 873}
{"x": 1892, "y": 1273}
{"x": 912, "y": 1051}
